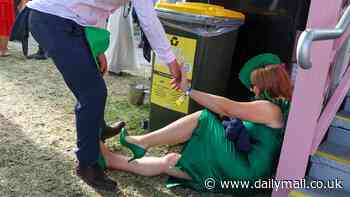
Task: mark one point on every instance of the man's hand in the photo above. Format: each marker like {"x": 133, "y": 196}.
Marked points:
{"x": 103, "y": 64}
{"x": 175, "y": 70}
{"x": 22, "y": 5}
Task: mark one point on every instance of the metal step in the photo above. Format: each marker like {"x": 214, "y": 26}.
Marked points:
{"x": 331, "y": 162}
{"x": 309, "y": 192}
{"x": 340, "y": 136}
{"x": 342, "y": 120}
{"x": 347, "y": 103}
{"x": 318, "y": 193}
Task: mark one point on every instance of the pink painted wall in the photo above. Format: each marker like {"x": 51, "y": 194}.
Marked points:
{"x": 308, "y": 97}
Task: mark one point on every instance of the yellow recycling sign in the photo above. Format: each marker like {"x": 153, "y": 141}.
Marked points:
{"x": 161, "y": 92}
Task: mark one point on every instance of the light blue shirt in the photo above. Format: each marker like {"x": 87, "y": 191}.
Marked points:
{"x": 95, "y": 13}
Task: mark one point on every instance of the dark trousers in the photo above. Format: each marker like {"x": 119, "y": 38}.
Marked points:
{"x": 65, "y": 42}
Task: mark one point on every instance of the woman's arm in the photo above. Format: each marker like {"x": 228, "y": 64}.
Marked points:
{"x": 156, "y": 36}
{"x": 256, "y": 111}
{"x": 153, "y": 29}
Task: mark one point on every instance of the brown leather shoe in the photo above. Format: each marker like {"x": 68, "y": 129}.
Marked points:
{"x": 96, "y": 177}
{"x": 111, "y": 131}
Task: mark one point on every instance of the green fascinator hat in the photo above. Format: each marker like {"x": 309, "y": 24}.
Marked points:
{"x": 258, "y": 61}
{"x": 98, "y": 40}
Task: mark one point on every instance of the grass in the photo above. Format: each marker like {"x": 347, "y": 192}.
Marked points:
{"x": 37, "y": 134}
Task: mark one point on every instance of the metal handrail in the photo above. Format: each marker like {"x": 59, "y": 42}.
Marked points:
{"x": 310, "y": 35}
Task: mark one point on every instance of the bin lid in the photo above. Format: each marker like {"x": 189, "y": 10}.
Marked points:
{"x": 203, "y": 9}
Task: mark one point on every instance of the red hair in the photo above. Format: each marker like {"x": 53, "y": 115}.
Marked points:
{"x": 274, "y": 79}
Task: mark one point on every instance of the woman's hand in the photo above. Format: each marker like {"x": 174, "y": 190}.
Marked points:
{"x": 184, "y": 84}
{"x": 103, "y": 64}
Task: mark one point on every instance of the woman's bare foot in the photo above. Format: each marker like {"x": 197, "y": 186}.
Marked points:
{"x": 172, "y": 159}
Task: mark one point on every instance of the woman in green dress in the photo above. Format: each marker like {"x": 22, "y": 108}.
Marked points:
{"x": 208, "y": 154}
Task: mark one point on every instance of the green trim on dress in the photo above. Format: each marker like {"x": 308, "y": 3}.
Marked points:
{"x": 284, "y": 104}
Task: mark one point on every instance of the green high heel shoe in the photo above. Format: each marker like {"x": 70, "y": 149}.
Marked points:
{"x": 137, "y": 151}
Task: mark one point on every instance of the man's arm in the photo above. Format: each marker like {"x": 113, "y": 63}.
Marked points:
{"x": 153, "y": 29}
{"x": 155, "y": 34}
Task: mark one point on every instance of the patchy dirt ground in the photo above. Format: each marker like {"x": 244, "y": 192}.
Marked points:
{"x": 37, "y": 135}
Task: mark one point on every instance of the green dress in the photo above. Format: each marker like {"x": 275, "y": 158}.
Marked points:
{"x": 208, "y": 154}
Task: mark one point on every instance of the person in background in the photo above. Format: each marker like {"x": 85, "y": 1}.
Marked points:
{"x": 144, "y": 43}
{"x": 21, "y": 32}
{"x": 121, "y": 54}
{"x": 7, "y": 19}
{"x": 39, "y": 55}
{"x": 59, "y": 26}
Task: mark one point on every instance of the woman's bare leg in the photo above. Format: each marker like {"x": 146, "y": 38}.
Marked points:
{"x": 3, "y": 45}
{"x": 146, "y": 166}
{"x": 177, "y": 132}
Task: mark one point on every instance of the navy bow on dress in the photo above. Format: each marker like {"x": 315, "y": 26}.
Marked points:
{"x": 236, "y": 132}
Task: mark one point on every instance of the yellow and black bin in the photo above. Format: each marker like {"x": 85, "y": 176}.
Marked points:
{"x": 203, "y": 38}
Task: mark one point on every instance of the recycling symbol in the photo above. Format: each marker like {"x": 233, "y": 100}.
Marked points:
{"x": 174, "y": 41}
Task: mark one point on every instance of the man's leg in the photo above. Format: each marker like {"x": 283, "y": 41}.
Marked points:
{"x": 65, "y": 42}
